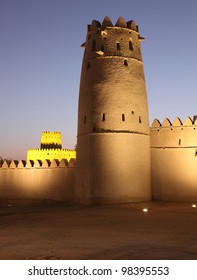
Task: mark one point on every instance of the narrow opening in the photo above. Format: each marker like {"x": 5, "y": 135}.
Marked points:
{"x": 179, "y": 141}
{"x": 102, "y": 48}
{"x": 84, "y": 119}
{"x": 93, "y": 45}
{"x": 140, "y": 119}
{"x": 130, "y": 45}
{"x": 88, "y": 65}
{"x": 118, "y": 46}
{"x": 123, "y": 117}
{"x": 103, "y": 118}
{"x": 125, "y": 62}
{"x": 94, "y": 129}
{"x": 132, "y": 112}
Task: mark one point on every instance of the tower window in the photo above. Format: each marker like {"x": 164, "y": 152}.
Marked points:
{"x": 179, "y": 141}
{"x": 102, "y": 48}
{"x": 103, "y": 118}
{"x": 140, "y": 119}
{"x": 123, "y": 117}
{"x": 118, "y": 46}
{"x": 132, "y": 112}
{"x": 84, "y": 119}
{"x": 88, "y": 65}
{"x": 130, "y": 45}
{"x": 93, "y": 45}
{"x": 125, "y": 62}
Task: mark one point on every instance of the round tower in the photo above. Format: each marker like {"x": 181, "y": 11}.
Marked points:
{"x": 113, "y": 142}
{"x": 51, "y": 140}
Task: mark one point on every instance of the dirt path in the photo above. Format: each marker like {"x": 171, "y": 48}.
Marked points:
{"x": 32, "y": 229}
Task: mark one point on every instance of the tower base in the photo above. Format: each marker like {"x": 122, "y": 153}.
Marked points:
{"x": 113, "y": 168}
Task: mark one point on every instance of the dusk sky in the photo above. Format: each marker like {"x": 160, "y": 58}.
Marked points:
{"x": 40, "y": 63}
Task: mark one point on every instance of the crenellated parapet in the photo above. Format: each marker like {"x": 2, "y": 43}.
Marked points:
{"x": 106, "y": 39}
{"x": 176, "y": 134}
{"x": 42, "y": 164}
{"x": 108, "y": 23}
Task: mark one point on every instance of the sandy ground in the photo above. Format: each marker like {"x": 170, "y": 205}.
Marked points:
{"x": 33, "y": 229}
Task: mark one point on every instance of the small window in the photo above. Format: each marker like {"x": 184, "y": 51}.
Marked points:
{"x": 179, "y": 141}
{"x": 140, "y": 119}
{"x": 102, "y": 48}
{"x": 103, "y": 118}
{"x": 118, "y": 46}
{"x": 132, "y": 112}
{"x": 88, "y": 65}
{"x": 84, "y": 119}
{"x": 130, "y": 45}
{"x": 125, "y": 62}
{"x": 93, "y": 45}
{"x": 94, "y": 129}
{"x": 123, "y": 117}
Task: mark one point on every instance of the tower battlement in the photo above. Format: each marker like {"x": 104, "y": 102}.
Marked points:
{"x": 104, "y": 40}
{"x": 108, "y": 23}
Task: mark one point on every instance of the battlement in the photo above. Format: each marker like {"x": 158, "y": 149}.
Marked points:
{"x": 108, "y": 40}
{"x": 176, "y": 134}
{"x": 177, "y": 122}
{"x": 108, "y": 23}
{"x": 30, "y": 164}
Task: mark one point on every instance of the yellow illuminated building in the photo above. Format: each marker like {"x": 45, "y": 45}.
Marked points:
{"x": 50, "y": 148}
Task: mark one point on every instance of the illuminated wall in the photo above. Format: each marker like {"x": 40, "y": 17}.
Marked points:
{"x": 41, "y": 180}
{"x": 174, "y": 160}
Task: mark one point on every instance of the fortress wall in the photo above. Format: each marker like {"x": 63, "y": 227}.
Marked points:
{"x": 38, "y": 182}
{"x": 174, "y": 176}
{"x": 174, "y": 160}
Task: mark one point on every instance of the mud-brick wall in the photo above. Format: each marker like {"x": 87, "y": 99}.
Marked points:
{"x": 174, "y": 160}
{"x": 37, "y": 180}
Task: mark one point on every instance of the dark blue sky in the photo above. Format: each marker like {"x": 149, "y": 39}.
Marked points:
{"x": 40, "y": 63}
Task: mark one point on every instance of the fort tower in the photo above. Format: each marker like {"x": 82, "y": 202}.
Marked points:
{"x": 51, "y": 140}
{"x": 113, "y": 142}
